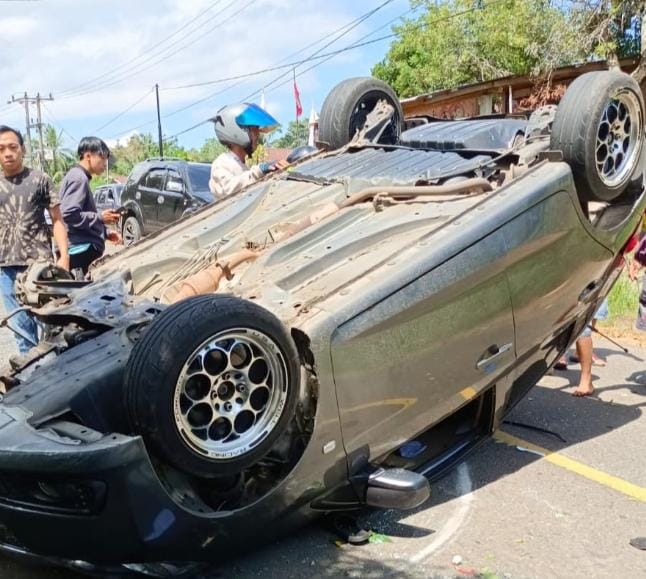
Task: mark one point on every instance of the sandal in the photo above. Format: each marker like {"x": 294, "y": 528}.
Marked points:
{"x": 347, "y": 529}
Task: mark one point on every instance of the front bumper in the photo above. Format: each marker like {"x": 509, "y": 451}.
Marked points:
{"x": 137, "y": 519}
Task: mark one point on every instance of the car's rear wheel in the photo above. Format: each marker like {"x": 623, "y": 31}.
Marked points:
{"x": 212, "y": 384}
{"x": 348, "y": 104}
{"x": 599, "y": 127}
{"x": 131, "y": 230}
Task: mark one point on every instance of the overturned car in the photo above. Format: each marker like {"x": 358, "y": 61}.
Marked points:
{"x": 265, "y": 359}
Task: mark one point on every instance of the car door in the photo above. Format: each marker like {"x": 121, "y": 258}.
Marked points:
{"x": 173, "y": 200}
{"x": 149, "y": 193}
{"x": 417, "y": 356}
{"x": 554, "y": 268}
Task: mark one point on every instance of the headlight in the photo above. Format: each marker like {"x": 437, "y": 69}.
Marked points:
{"x": 53, "y": 495}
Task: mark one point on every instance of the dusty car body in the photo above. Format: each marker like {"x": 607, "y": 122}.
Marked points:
{"x": 423, "y": 289}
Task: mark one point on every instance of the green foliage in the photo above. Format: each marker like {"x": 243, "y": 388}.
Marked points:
{"x": 466, "y": 41}
{"x": 210, "y": 149}
{"x": 141, "y": 147}
{"x": 62, "y": 159}
{"x": 293, "y": 136}
{"x": 623, "y": 298}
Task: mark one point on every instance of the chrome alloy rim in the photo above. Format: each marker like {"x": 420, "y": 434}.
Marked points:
{"x": 230, "y": 393}
{"x": 618, "y": 145}
{"x": 128, "y": 234}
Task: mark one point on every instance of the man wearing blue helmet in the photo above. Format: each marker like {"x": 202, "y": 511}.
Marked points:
{"x": 238, "y": 127}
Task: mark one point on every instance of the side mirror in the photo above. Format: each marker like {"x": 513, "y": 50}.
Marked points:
{"x": 175, "y": 187}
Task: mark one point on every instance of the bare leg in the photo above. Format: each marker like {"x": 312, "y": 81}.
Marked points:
{"x": 584, "y": 351}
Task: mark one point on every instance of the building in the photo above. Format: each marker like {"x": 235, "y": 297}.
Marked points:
{"x": 503, "y": 95}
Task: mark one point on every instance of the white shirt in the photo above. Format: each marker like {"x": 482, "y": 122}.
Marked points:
{"x": 229, "y": 174}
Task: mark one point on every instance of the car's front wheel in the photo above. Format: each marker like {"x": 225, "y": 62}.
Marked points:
{"x": 131, "y": 230}
{"x": 599, "y": 127}
{"x": 212, "y": 384}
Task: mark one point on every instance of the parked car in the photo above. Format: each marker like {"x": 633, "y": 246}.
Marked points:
{"x": 160, "y": 191}
{"x": 268, "y": 358}
{"x": 108, "y": 197}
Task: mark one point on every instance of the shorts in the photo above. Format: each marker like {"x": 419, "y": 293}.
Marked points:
{"x": 600, "y": 314}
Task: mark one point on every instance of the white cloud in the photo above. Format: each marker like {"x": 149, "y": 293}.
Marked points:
{"x": 72, "y": 46}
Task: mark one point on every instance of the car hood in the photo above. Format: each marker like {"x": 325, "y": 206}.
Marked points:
{"x": 203, "y": 197}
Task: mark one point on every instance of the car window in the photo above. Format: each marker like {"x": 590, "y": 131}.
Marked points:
{"x": 199, "y": 176}
{"x": 174, "y": 181}
{"x": 155, "y": 179}
{"x": 98, "y": 195}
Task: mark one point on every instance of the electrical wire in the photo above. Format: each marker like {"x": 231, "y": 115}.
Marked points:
{"x": 57, "y": 123}
{"x": 168, "y": 51}
{"x": 140, "y": 55}
{"x": 123, "y": 112}
{"x": 339, "y": 32}
{"x": 353, "y": 46}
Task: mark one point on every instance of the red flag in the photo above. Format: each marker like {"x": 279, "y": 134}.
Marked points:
{"x": 297, "y": 98}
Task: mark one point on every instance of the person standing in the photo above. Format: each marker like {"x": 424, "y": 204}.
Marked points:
{"x": 238, "y": 127}
{"x": 25, "y": 194}
{"x": 85, "y": 225}
{"x": 638, "y": 262}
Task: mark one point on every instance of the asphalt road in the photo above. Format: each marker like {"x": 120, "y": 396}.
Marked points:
{"x": 566, "y": 509}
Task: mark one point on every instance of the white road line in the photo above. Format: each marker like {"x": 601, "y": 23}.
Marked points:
{"x": 457, "y": 520}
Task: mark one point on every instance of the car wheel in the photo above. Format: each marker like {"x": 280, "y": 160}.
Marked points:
{"x": 599, "y": 127}
{"x": 348, "y": 104}
{"x": 131, "y": 230}
{"x": 212, "y": 384}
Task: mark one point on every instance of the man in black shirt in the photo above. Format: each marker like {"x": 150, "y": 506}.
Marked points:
{"x": 24, "y": 236}
{"x": 85, "y": 226}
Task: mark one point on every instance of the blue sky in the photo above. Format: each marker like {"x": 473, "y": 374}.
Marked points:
{"x": 98, "y": 58}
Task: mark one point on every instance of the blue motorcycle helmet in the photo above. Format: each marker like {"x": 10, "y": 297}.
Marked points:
{"x": 232, "y": 124}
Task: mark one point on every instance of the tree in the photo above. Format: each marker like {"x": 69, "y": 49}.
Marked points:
{"x": 61, "y": 158}
{"x": 466, "y": 41}
{"x": 293, "y": 136}
{"x": 210, "y": 149}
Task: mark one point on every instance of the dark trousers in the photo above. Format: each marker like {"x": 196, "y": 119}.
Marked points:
{"x": 83, "y": 260}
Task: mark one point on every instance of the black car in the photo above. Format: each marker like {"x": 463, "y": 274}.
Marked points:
{"x": 159, "y": 191}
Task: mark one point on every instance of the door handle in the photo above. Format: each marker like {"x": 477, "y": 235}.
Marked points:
{"x": 491, "y": 354}
{"x": 588, "y": 291}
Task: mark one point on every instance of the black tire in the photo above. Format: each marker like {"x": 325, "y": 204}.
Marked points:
{"x": 161, "y": 392}
{"x": 587, "y": 138}
{"x": 345, "y": 109}
{"x": 131, "y": 231}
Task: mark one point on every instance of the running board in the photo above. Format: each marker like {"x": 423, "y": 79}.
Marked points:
{"x": 396, "y": 488}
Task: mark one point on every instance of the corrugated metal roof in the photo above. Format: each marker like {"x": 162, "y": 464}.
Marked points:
{"x": 399, "y": 166}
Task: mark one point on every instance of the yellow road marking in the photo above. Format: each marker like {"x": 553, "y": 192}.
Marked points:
{"x": 468, "y": 393}
{"x": 608, "y": 480}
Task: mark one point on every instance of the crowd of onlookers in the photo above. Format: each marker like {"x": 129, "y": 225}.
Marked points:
{"x": 78, "y": 230}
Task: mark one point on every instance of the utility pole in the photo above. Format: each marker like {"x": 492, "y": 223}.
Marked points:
{"x": 159, "y": 129}
{"x": 40, "y": 131}
{"x": 26, "y": 100}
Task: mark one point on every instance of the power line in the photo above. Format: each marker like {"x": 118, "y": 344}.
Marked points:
{"x": 123, "y": 112}
{"x": 141, "y": 54}
{"x": 58, "y": 124}
{"x": 166, "y": 53}
{"x": 312, "y": 56}
{"x": 353, "y": 46}
{"x": 346, "y": 27}
{"x": 288, "y": 65}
